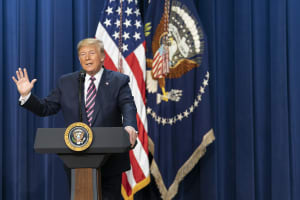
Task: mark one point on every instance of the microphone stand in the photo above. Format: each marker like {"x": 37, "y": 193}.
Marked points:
{"x": 81, "y": 81}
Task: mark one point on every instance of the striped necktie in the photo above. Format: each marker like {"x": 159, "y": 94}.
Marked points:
{"x": 90, "y": 100}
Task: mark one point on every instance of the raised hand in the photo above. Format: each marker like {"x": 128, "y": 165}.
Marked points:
{"x": 22, "y": 82}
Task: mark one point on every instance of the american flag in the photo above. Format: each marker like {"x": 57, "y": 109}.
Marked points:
{"x": 121, "y": 30}
{"x": 160, "y": 67}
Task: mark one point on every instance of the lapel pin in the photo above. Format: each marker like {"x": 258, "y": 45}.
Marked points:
{"x": 106, "y": 83}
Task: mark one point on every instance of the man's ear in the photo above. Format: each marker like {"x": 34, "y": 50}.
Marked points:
{"x": 102, "y": 59}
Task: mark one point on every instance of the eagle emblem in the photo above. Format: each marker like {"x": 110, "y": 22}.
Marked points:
{"x": 176, "y": 49}
{"x": 78, "y": 136}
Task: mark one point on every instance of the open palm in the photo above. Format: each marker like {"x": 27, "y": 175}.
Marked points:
{"x": 22, "y": 82}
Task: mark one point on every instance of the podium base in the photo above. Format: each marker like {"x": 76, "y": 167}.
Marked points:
{"x": 85, "y": 184}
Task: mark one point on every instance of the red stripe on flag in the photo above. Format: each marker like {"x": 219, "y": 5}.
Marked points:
{"x": 138, "y": 73}
{"x": 108, "y": 63}
{"x": 137, "y": 172}
{"x": 126, "y": 184}
{"x": 143, "y": 135}
{"x": 157, "y": 67}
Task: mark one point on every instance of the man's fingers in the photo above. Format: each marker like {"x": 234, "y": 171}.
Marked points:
{"x": 26, "y": 74}
{"x": 132, "y": 138}
{"x": 18, "y": 75}
{"x": 33, "y": 82}
{"x": 132, "y": 135}
{"x": 14, "y": 79}
{"x": 21, "y": 73}
{"x": 132, "y": 143}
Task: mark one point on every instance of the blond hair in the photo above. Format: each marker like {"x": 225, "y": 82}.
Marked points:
{"x": 91, "y": 41}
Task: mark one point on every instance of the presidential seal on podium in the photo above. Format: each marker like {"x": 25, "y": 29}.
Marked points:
{"x": 78, "y": 136}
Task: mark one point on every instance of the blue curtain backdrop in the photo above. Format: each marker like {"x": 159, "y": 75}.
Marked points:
{"x": 254, "y": 53}
{"x": 40, "y": 35}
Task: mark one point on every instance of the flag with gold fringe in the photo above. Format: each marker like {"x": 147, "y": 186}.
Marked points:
{"x": 177, "y": 84}
{"x": 121, "y": 30}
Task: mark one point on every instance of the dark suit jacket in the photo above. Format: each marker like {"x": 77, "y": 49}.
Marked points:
{"x": 113, "y": 100}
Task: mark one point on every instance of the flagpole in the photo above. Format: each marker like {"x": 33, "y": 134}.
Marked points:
{"x": 120, "y": 59}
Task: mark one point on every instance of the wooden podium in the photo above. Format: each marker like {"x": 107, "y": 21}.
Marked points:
{"x": 85, "y": 173}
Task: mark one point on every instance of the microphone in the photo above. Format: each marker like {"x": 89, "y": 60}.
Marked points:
{"x": 81, "y": 76}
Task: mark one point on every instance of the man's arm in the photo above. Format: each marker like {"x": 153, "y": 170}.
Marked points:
{"x": 128, "y": 109}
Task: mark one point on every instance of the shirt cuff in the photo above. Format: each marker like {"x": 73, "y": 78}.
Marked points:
{"x": 23, "y": 100}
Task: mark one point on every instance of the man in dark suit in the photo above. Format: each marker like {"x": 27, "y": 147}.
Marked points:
{"x": 107, "y": 101}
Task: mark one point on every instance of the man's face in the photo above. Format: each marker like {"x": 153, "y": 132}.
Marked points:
{"x": 91, "y": 59}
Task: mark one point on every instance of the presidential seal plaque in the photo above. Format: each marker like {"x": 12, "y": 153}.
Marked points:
{"x": 78, "y": 136}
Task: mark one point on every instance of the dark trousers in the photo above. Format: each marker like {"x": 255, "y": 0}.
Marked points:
{"x": 111, "y": 187}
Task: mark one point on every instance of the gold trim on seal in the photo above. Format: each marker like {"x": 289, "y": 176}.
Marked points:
{"x": 88, "y": 130}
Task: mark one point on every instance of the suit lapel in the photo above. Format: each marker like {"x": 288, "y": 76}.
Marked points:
{"x": 99, "y": 97}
